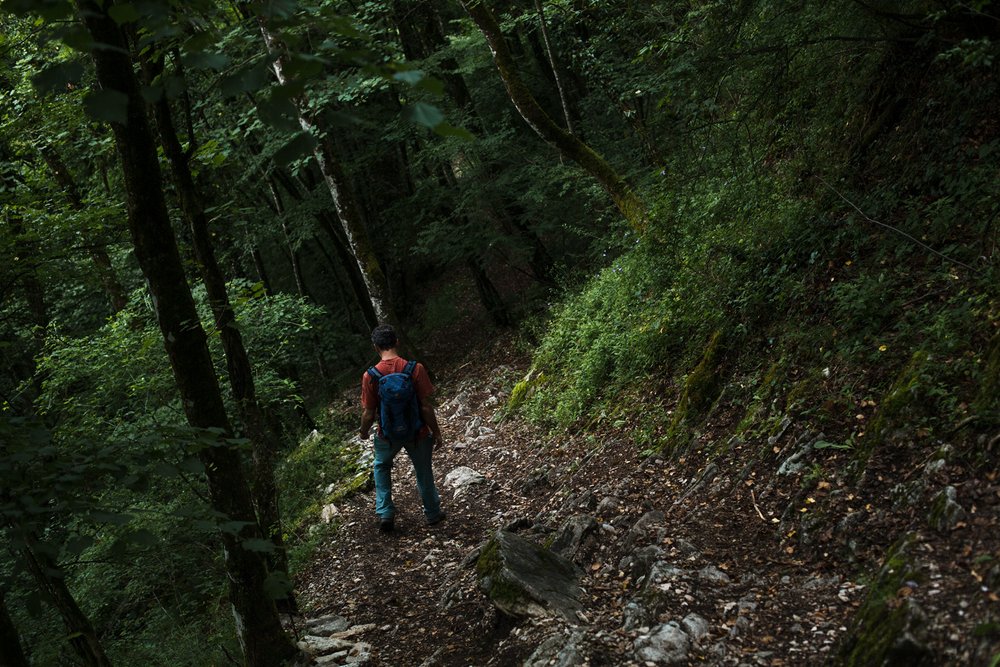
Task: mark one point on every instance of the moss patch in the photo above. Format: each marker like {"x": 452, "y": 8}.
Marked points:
{"x": 989, "y": 394}
{"x": 702, "y": 388}
{"x": 887, "y": 613}
{"x": 900, "y": 403}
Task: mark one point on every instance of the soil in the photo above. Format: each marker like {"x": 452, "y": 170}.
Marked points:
{"x": 800, "y": 550}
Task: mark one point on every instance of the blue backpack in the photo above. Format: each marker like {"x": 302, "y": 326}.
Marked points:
{"x": 399, "y": 410}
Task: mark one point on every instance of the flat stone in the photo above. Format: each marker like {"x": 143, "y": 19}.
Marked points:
{"x": 713, "y": 575}
{"x": 323, "y": 645}
{"x": 462, "y": 477}
{"x": 666, "y": 644}
{"x": 695, "y": 626}
{"x": 324, "y": 626}
{"x": 354, "y": 630}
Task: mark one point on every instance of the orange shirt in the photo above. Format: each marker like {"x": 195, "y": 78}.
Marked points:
{"x": 421, "y": 383}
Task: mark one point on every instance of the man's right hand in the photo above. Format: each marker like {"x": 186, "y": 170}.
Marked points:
{"x": 438, "y": 441}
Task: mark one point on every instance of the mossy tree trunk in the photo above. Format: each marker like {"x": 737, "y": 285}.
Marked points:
{"x": 631, "y": 207}
{"x": 258, "y": 627}
{"x": 263, "y": 441}
{"x": 422, "y": 35}
{"x": 51, "y": 582}
{"x": 11, "y": 654}
{"x": 344, "y": 200}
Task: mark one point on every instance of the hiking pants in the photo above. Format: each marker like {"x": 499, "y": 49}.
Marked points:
{"x": 419, "y": 452}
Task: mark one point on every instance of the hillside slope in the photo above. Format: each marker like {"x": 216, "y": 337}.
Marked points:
{"x": 718, "y": 556}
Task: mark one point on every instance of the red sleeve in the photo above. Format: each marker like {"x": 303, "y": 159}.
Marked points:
{"x": 369, "y": 395}
{"x": 422, "y": 382}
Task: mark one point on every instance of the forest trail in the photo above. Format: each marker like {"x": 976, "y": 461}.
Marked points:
{"x": 685, "y": 561}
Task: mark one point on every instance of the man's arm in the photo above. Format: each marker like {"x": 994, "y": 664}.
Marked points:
{"x": 429, "y": 418}
{"x": 367, "y": 419}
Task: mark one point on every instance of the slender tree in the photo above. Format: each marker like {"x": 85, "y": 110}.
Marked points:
{"x": 257, "y": 625}
{"x": 631, "y": 207}
{"x": 336, "y": 180}
{"x": 239, "y": 369}
{"x": 11, "y": 654}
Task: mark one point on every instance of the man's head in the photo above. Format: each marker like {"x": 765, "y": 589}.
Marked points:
{"x": 384, "y": 337}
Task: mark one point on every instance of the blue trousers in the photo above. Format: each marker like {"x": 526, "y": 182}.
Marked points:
{"x": 419, "y": 452}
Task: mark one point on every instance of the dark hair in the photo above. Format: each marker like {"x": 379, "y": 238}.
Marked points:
{"x": 384, "y": 337}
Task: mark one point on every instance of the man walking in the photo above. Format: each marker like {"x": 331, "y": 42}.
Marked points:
{"x": 398, "y": 392}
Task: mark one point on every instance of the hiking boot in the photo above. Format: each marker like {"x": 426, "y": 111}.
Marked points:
{"x": 386, "y": 525}
{"x": 436, "y": 520}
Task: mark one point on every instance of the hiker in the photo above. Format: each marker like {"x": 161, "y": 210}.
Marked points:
{"x": 398, "y": 391}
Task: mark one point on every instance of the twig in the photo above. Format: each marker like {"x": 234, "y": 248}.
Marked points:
{"x": 754, "y": 501}
{"x": 893, "y": 229}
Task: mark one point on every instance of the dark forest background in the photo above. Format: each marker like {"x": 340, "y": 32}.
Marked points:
{"x": 791, "y": 206}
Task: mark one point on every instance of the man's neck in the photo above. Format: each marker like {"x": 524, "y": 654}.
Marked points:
{"x": 388, "y": 354}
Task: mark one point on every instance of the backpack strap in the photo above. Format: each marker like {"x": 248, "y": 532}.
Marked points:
{"x": 375, "y": 375}
{"x": 408, "y": 369}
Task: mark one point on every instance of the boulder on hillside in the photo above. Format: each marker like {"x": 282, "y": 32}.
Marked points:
{"x": 571, "y": 535}
{"x": 463, "y": 478}
{"x": 525, "y": 579}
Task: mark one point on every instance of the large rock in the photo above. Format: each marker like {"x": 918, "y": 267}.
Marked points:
{"x": 525, "y": 579}
{"x": 462, "y": 479}
{"x": 666, "y": 644}
{"x": 572, "y": 534}
{"x": 558, "y": 650}
{"x": 945, "y": 511}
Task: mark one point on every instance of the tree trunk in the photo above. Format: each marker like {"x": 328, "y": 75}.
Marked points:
{"x": 261, "y": 268}
{"x": 98, "y": 255}
{"x": 422, "y": 35}
{"x": 51, "y": 582}
{"x": 263, "y": 442}
{"x": 326, "y": 222}
{"x": 555, "y": 68}
{"x": 631, "y": 207}
{"x": 11, "y": 654}
{"x": 344, "y": 200}
{"x": 488, "y": 293}
{"x": 257, "y": 624}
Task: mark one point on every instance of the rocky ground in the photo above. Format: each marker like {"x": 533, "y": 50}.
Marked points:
{"x": 608, "y": 557}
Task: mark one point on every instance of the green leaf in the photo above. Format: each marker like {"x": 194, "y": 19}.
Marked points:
{"x": 258, "y": 544}
{"x": 412, "y": 77}
{"x": 57, "y": 77}
{"x": 124, "y": 13}
{"x": 446, "y": 129}
{"x": 233, "y": 527}
{"x": 152, "y": 94}
{"x": 280, "y": 114}
{"x": 205, "y": 60}
{"x": 247, "y": 79}
{"x": 77, "y": 545}
{"x": 77, "y": 37}
{"x": 107, "y": 105}
{"x": 277, "y": 585}
{"x": 300, "y": 146}
{"x": 113, "y": 518}
{"x": 192, "y": 465}
{"x": 423, "y": 114}
{"x": 143, "y": 537}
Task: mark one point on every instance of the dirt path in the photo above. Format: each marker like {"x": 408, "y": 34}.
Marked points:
{"x": 731, "y": 531}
